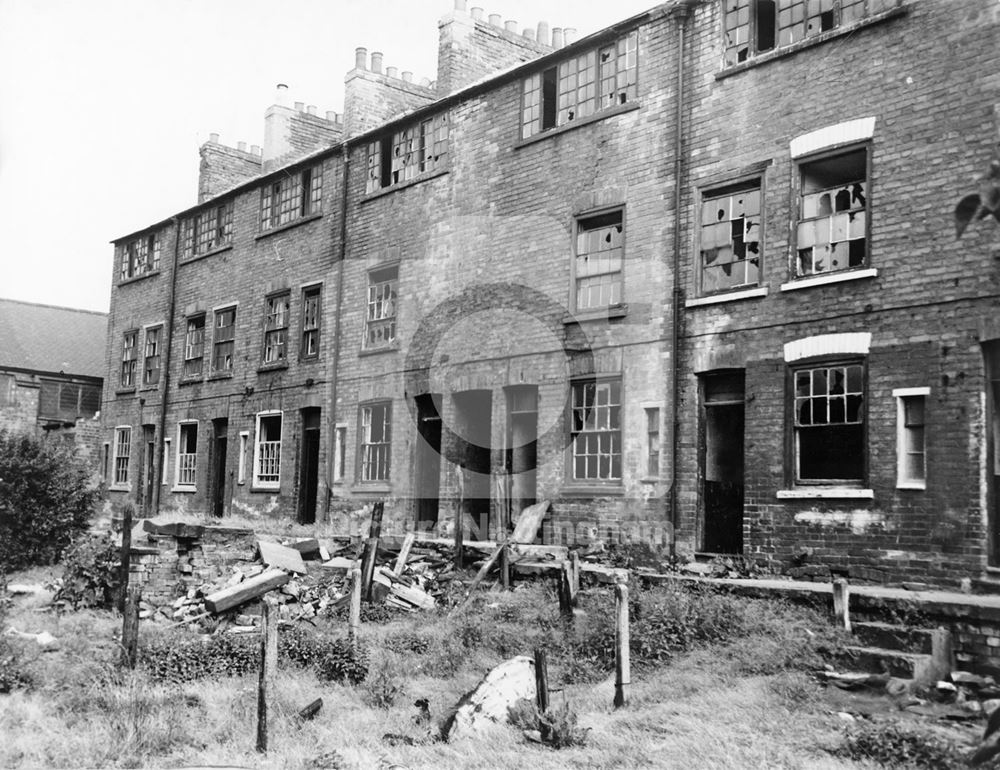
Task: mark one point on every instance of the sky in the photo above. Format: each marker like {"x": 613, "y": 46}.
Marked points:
{"x": 104, "y": 104}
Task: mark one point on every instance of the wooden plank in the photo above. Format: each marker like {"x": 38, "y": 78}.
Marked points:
{"x": 482, "y": 573}
{"x": 355, "y": 614}
{"x": 415, "y": 596}
{"x": 340, "y": 562}
{"x": 505, "y": 567}
{"x": 311, "y": 710}
{"x": 623, "y": 666}
{"x": 249, "y": 589}
{"x": 306, "y": 547}
{"x": 555, "y": 553}
{"x": 371, "y": 549}
{"x": 404, "y": 553}
{"x": 130, "y": 627}
{"x": 126, "y": 552}
{"x": 276, "y": 555}
{"x": 268, "y": 668}
{"x": 542, "y": 688}
{"x": 526, "y": 529}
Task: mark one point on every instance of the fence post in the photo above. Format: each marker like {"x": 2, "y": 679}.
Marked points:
{"x": 268, "y": 667}
{"x": 623, "y": 675}
{"x": 542, "y": 686}
{"x": 354, "y": 622}
{"x": 842, "y": 603}
{"x": 130, "y": 626}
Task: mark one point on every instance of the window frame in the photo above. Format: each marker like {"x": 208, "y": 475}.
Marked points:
{"x": 257, "y": 481}
{"x": 363, "y": 462}
{"x": 794, "y": 479}
{"x": 293, "y": 196}
{"x": 131, "y": 360}
{"x": 417, "y": 149}
{"x": 798, "y": 186}
{"x": 575, "y": 277}
{"x": 188, "y": 372}
{"x": 550, "y": 93}
{"x": 210, "y": 230}
{"x": 120, "y": 471}
{"x": 610, "y": 482}
{"x": 340, "y": 453}
{"x": 138, "y": 256}
{"x": 151, "y": 377}
{"x": 184, "y": 426}
{"x": 903, "y": 479}
{"x": 388, "y": 321}
{"x": 714, "y": 191}
{"x": 309, "y": 294}
{"x": 217, "y": 371}
{"x": 652, "y": 469}
{"x": 276, "y": 329}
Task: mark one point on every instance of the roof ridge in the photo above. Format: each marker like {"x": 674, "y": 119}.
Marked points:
{"x": 54, "y": 307}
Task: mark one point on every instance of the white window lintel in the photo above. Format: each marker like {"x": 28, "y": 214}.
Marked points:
{"x": 829, "y": 137}
{"x": 847, "y": 343}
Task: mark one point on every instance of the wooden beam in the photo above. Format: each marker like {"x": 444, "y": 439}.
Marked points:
{"x": 249, "y": 589}
{"x": 130, "y": 627}
{"x": 123, "y": 574}
{"x": 542, "y": 687}
{"x": 623, "y": 668}
{"x": 268, "y": 667}
{"x": 354, "y": 623}
{"x": 404, "y": 553}
{"x": 371, "y": 549}
{"x": 481, "y": 574}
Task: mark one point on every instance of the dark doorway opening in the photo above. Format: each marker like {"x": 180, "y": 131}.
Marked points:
{"x": 309, "y": 469}
{"x": 473, "y": 429}
{"x": 991, "y": 360}
{"x": 522, "y": 451}
{"x": 148, "y": 480}
{"x": 220, "y": 443}
{"x": 722, "y": 461}
{"x": 427, "y": 462}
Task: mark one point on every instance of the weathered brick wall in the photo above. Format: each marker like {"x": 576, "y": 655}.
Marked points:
{"x": 222, "y": 168}
{"x": 934, "y": 128}
{"x": 19, "y": 403}
{"x": 371, "y": 98}
{"x": 292, "y": 133}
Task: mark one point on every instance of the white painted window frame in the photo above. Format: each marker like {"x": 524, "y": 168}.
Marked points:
{"x": 901, "y": 394}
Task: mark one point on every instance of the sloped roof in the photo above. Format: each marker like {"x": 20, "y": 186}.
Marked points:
{"x": 52, "y": 339}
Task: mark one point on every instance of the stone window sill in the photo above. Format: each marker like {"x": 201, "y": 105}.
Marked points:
{"x": 279, "y": 367}
{"x": 394, "y": 348}
{"x": 120, "y": 488}
{"x": 831, "y": 493}
{"x": 183, "y": 489}
{"x": 125, "y": 391}
{"x": 134, "y": 278}
{"x": 609, "y": 313}
{"x": 189, "y": 381}
{"x": 266, "y": 488}
{"x": 597, "y": 116}
{"x": 823, "y": 280}
{"x": 732, "y": 296}
{"x": 917, "y": 485}
{"x": 220, "y": 376}
{"x": 592, "y": 490}
{"x": 780, "y": 53}
{"x": 372, "y": 487}
{"x": 403, "y": 185}
{"x": 207, "y": 254}
{"x": 288, "y": 225}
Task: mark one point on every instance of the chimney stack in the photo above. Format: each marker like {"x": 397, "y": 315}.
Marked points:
{"x": 361, "y": 58}
{"x": 377, "y": 62}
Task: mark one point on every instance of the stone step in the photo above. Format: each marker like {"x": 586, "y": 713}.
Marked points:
{"x": 879, "y": 660}
{"x": 891, "y": 637}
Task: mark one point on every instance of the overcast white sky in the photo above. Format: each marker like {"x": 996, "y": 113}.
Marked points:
{"x": 104, "y": 103}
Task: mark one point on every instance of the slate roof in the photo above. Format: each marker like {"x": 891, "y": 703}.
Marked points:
{"x": 45, "y": 338}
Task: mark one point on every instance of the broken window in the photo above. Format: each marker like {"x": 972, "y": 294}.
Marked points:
{"x": 295, "y": 195}
{"x": 652, "y": 442}
{"x": 151, "y": 357}
{"x": 406, "y": 154}
{"x": 223, "y": 341}
{"x": 68, "y": 401}
{"x": 380, "y": 321}
{"x": 832, "y": 232}
{"x": 187, "y": 454}
{"x": 339, "y": 452}
{"x": 730, "y": 238}
{"x": 208, "y": 230}
{"x": 267, "y": 451}
{"x": 587, "y": 83}
{"x": 276, "y": 310}
{"x": 829, "y": 423}
{"x": 376, "y": 441}
{"x": 139, "y": 256}
{"x": 911, "y": 449}
{"x": 600, "y": 242}
{"x": 758, "y": 26}
{"x": 309, "y": 347}
{"x": 194, "y": 346}
{"x": 123, "y": 448}
{"x": 129, "y": 358}
{"x": 596, "y": 430}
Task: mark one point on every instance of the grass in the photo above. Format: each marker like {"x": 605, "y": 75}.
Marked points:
{"x": 718, "y": 682}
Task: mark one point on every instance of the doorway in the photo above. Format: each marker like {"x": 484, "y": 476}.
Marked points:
{"x": 522, "y": 452}
{"x": 991, "y": 361}
{"x": 220, "y": 443}
{"x": 309, "y": 469}
{"x": 148, "y": 481}
{"x": 427, "y": 462}
{"x": 722, "y": 463}
{"x": 473, "y": 440}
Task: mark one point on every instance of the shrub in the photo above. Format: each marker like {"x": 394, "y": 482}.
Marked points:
{"x": 889, "y": 744}
{"x": 557, "y": 725}
{"x": 343, "y": 662}
{"x": 12, "y": 673}
{"x": 383, "y": 685}
{"x": 91, "y": 573}
{"x": 404, "y": 642}
{"x": 46, "y": 500}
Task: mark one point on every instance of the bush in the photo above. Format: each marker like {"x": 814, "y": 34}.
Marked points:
{"x": 557, "y": 725}
{"x": 12, "y": 673}
{"x": 91, "y": 573}
{"x": 383, "y": 685}
{"x": 889, "y": 744}
{"x": 46, "y": 500}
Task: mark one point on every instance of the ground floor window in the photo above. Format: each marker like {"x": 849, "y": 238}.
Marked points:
{"x": 267, "y": 451}
{"x": 376, "y": 441}
{"x": 187, "y": 454}
{"x": 829, "y": 430}
{"x": 596, "y": 431}
{"x": 123, "y": 450}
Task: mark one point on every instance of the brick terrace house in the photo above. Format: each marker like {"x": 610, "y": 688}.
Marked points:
{"x": 468, "y": 295}
{"x": 51, "y": 370}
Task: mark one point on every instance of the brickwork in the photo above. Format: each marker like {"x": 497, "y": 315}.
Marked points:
{"x": 290, "y": 134}
{"x": 19, "y": 404}
{"x": 223, "y": 168}
{"x": 372, "y": 98}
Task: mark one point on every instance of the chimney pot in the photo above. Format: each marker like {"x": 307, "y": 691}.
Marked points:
{"x": 331, "y": 116}
{"x": 433, "y": 86}
{"x": 300, "y": 106}
{"x": 392, "y": 72}
{"x": 460, "y": 5}
{"x": 377, "y": 62}
{"x": 569, "y": 35}
{"x": 528, "y": 33}
{"x": 557, "y": 37}
{"x": 425, "y": 82}
{"x": 495, "y": 19}
{"x": 477, "y": 13}
{"x": 213, "y": 138}
{"x": 255, "y": 150}
{"x": 361, "y": 58}
{"x": 241, "y": 146}
{"x": 510, "y": 25}
{"x": 311, "y": 109}
{"x": 407, "y": 77}
{"x": 543, "y": 32}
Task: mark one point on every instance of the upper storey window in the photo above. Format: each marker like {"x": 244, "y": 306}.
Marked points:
{"x": 138, "y": 256}
{"x": 292, "y": 196}
{"x": 209, "y": 230}
{"x": 592, "y": 81}
{"x": 406, "y": 154}
{"x": 757, "y": 26}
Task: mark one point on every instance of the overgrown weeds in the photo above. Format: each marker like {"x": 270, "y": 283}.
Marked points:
{"x": 893, "y": 745}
